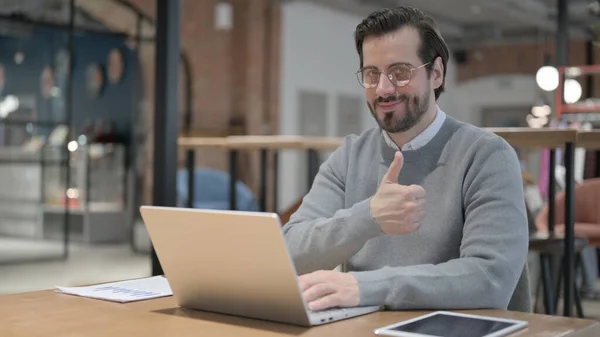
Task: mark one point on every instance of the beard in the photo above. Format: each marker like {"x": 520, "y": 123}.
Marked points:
{"x": 415, "y": 108}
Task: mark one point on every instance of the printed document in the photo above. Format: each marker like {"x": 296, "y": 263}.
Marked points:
{"x": 124, "y": 291}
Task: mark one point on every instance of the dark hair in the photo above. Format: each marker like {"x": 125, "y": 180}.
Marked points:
{"x": 385, "y": 21}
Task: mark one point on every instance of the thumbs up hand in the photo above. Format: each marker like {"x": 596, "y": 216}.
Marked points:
{"x": 398, "y": 209}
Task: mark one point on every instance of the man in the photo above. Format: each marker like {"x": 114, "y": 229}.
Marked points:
{"x": 425, "y": 212}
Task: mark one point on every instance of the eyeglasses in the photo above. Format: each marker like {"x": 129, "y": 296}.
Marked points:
{"x": 399, "y": 75}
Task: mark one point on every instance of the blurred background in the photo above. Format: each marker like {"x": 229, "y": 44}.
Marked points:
{"x": 78, "y": 104}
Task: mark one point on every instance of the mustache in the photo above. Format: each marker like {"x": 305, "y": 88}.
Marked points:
{"x": 390, "y": 99}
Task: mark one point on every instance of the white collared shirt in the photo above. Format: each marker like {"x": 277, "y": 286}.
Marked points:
{"x": 422, "y": 138}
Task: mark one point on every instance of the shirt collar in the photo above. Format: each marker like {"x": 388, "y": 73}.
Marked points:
{"x": 424, "y": 137}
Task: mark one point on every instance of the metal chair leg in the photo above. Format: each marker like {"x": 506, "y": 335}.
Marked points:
{"x": 578, "y": 306}
{"x": 558, "y": 288}
{"x": 538, "y": 288}
{"x": 547, "y": 283}
{"x": 577, "y": 297}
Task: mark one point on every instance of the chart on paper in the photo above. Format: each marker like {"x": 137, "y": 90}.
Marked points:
{"x": 124, "y": 291}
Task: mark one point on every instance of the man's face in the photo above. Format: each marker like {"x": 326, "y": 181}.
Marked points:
{"x": 396, "y": 108}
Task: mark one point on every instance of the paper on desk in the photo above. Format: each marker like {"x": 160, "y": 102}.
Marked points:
{"x": 124, "y": 291}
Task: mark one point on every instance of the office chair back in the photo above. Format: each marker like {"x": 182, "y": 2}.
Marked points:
{"x": 211, "y": 191}
{"x": 587, "y": 212}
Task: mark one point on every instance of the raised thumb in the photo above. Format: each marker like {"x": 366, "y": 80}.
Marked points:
{"x": 391, "y": 176}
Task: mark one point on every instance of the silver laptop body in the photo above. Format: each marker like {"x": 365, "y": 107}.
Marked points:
{"x": 232, "y": 262}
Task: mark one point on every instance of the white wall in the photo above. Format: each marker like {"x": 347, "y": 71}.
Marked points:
{"x": 464, "y": 101}
{"x": 318, "y": 53}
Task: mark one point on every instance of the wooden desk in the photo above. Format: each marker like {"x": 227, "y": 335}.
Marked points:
{"x": 536, "y": 138}
{"x": 265, "y": 142}
{"x": 589, "y": 139}
{"x": 262, "y": 142}
{"x": 47, "y": 313}
{"x": 198, "y": 142}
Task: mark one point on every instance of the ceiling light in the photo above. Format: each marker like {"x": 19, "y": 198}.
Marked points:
{"x": 547, "y": 78}
{"x": 573, "y": 91}
{"x": 541, "y": 110}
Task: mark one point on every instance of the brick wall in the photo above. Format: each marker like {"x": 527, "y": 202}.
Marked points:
{"x": 520, "y": 59}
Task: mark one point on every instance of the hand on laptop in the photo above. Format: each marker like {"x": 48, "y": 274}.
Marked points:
{"x": 326, "y": 289}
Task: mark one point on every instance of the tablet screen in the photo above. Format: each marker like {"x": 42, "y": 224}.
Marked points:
{"x": 452, "y": 326}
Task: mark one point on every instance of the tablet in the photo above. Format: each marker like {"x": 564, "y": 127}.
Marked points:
{"x": 450, "y": 324}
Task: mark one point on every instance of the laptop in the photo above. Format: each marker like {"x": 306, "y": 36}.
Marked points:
{"x": 233, "y": 262}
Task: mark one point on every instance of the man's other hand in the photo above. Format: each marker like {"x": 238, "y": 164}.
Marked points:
{"x": 326, "y": 289}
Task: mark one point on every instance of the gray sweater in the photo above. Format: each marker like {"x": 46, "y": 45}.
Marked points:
{"x": 469, "y": 252}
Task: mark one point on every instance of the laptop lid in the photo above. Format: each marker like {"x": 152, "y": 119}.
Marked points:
{"x": 230, "y": 262}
